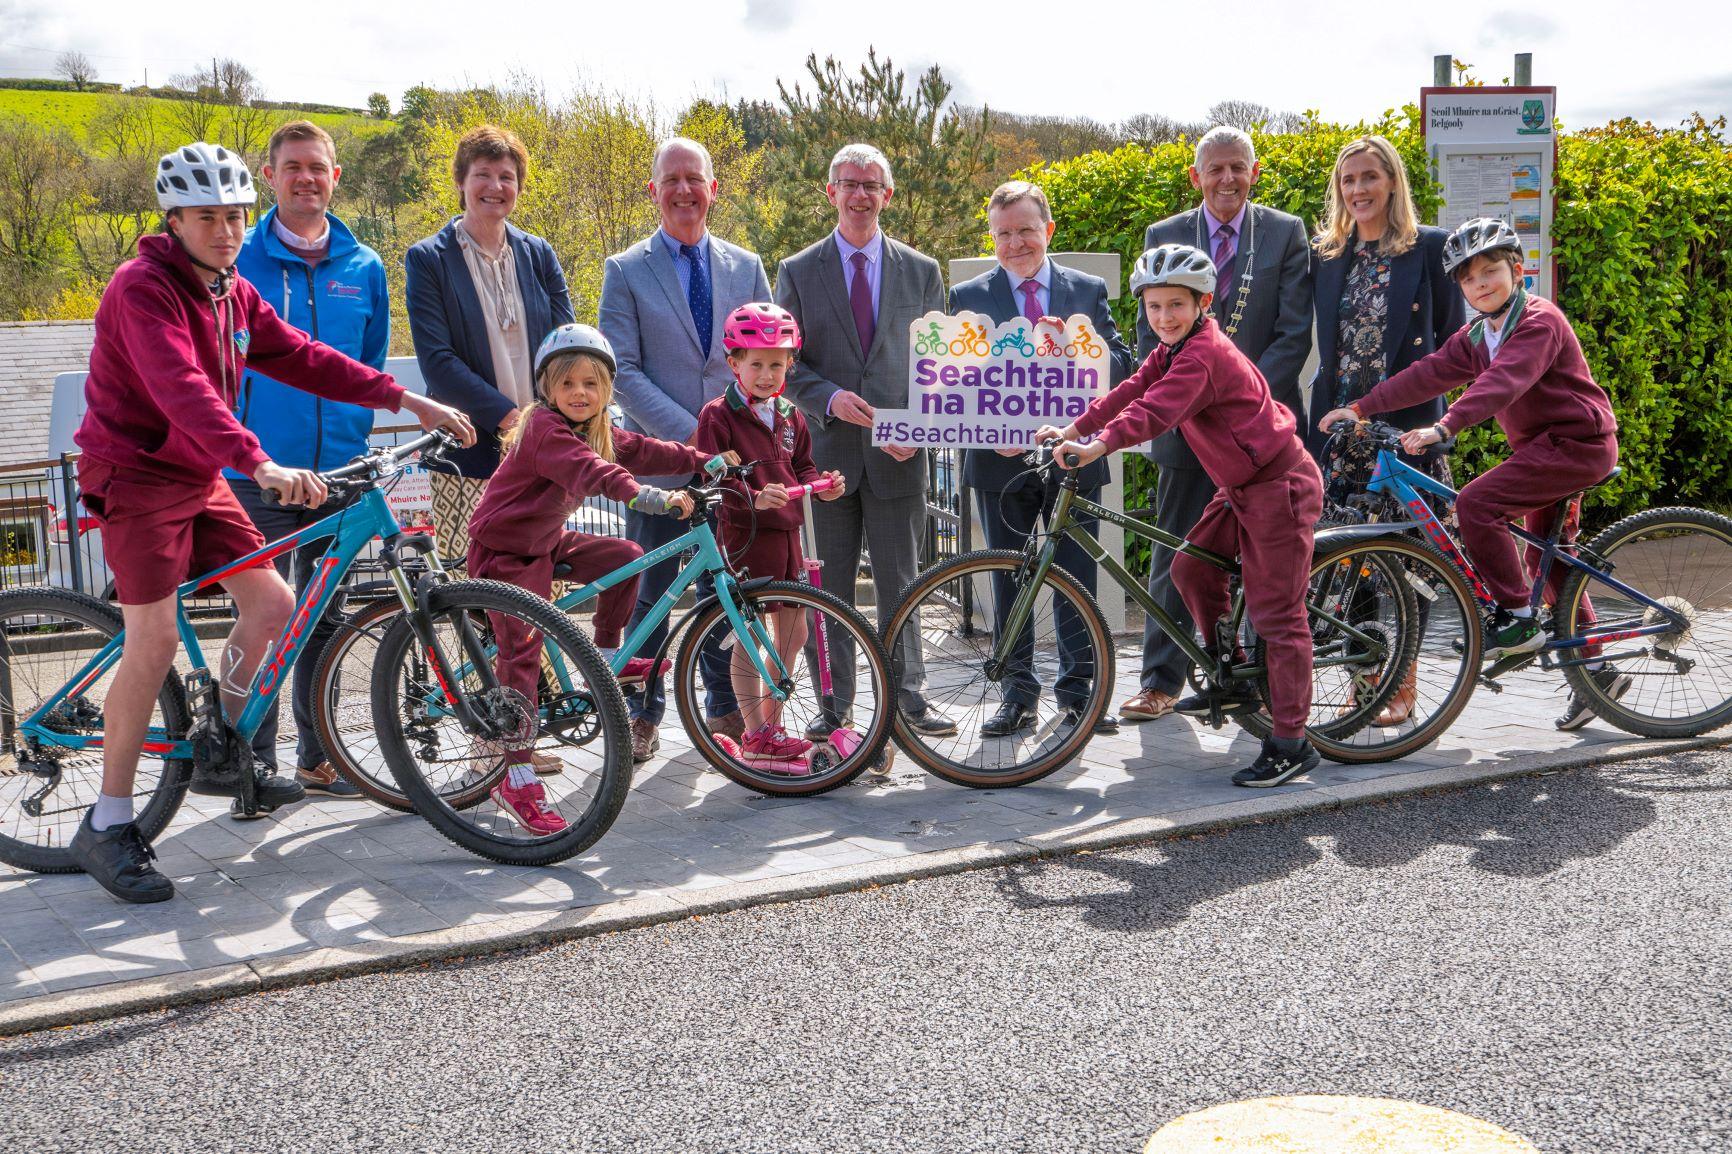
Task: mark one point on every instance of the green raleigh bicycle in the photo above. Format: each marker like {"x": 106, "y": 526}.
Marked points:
{"x": 1053, "y": 652}
{"x": 59, "y": 651}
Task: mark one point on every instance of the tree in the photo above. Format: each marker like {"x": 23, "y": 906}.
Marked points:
{"x": 942, "y": 159}
{"x": 223, "y": 107}
{"x": 76, "y": 67}
{"x": 1248, "y": 114}
{"x": 41, "y": 192}
{"x": 120, "y": 179}
{"x": 379, "y": 106}
{"x": 1151, "y": 128}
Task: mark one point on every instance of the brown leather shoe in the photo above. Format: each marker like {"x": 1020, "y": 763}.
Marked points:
{"x": 644, "y": 739}
{"x": 1400, "y": 707}
{"x": 322, "y": 779}
{"x": 545, "y": 764}
{"x": 729, "y": 725}
{"x": 1148, "y": 705}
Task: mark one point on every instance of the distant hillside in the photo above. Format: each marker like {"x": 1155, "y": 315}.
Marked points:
{"x": 74, "y": 111}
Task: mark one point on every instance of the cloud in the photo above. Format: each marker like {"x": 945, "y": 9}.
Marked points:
{"x": 769, "y": 15}
{"x": 1665, "y": 105}
{"x": 1520, "y": 27}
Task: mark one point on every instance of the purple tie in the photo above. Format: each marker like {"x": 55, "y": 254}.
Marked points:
{"x": 860, "y": 300}
{"x": 1031, "y": 300}
{"x": 1225, "y": 251}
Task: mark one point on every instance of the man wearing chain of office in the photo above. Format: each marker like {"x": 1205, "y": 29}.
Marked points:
{"x": 1263, "y": 304}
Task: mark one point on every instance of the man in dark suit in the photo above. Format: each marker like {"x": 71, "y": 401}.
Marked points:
{"x": 855, "y": 293}
{"x": 1010, "y": 500}
{"x": 1263, "y": 304}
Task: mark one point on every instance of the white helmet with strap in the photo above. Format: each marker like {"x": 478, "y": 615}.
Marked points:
{"x": 1482, "y": 234}
{"x": 1173, "y": 264}
{"x": 575, "y": 338}
{"x": 198, "y": 175}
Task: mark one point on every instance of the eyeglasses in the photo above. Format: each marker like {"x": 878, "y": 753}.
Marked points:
{"x": 850, "y": 187}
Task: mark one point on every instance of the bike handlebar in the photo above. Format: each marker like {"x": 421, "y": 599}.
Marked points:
{"x": 821, "y": 485}
{"x": 379, "y": 462}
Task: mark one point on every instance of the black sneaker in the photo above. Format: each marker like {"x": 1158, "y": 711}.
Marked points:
{"x": 1509, "y": 635}
{"x": 826, "y": 723}
{"x": 1233, "y": 697}
{"x": 119, "y": 859}
{"x": 1610, "y": 681}
{"x": 1282, "y": 760}
{"x": 272, "y": 790}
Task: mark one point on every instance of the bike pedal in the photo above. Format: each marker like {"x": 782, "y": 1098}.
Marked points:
{"x": 1490, "y": 684}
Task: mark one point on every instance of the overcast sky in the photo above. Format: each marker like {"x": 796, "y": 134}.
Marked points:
{"x": 1346, "y": 58}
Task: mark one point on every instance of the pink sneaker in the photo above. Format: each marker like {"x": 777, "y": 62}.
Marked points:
{"x": 638, "y": 669}
{"x": 772, "y": 743}
{"x": 527, "y": 805}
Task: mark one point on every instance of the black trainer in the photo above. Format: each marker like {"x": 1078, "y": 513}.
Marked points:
{"x": 1282, "y": 760}
{"x": 1611, "y": 682}
{"x": 1233, "y": 697}
{"x": 119, "y": 859}
{"x": 273, "y": 790}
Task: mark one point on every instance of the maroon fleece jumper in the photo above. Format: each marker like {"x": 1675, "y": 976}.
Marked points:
{"x": 783, "y": 454}
{"x": 1558, "y": 420}
{"x": 518, "y": 533}
{"x": 1270, "y": 496}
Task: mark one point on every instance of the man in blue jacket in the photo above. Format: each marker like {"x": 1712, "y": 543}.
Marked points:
{"x": 309, "y": 267}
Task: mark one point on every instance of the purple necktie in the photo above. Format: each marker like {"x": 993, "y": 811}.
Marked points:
{"x": 1225, "y": 251}
{"x": 1031, "y": 300}
{"x": 860, "y": 300}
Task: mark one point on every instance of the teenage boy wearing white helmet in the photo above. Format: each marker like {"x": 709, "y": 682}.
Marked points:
{"x": 1521, "y": 362}
{"x": 1268, "y": 491}
{"x": 175, "y": 332}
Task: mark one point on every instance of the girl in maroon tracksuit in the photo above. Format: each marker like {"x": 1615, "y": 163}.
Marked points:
{"x": 562, "y": 450}
{"x": 1521, "y": 363}
{"x": 1270, "y": 494}
{"x": 753, "y": 420}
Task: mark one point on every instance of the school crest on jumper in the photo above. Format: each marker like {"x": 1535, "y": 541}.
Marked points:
{"x": 243, "y": 338}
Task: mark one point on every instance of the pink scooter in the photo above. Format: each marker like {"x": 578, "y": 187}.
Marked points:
{"x": 843, "y": 741}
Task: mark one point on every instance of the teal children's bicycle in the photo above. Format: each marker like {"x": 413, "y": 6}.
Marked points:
{"x": 59, "y": 651}
{"x": 759, "y": 623}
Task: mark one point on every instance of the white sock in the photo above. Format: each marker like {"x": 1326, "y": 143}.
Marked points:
{"x": 109, "y": 812}
{"x": 608, "y": 651}
{"x": 1596, "y": 666}
{"x": 521, "y": 775}
{"x": 1524, "y": 612}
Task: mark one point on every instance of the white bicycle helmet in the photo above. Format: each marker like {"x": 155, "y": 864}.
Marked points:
{"x": 1482, "y": 234}
{"x": 198, "y": 174}
{"x": 1173, "y": 264}
{"x": 575, "y": 338}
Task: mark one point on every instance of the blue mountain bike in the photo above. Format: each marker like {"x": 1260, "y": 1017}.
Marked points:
{"x": 59, "y": 650}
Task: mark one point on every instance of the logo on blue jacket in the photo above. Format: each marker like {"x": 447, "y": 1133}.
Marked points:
{"x": 336, "y": 288}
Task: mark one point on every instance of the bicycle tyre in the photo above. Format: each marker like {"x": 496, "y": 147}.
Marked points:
{"x": 835, "y": 773}
{"x": 338, "y": 734}
{"x": 162, "y": 800}
{"x": 1651, "y": 525}
{"x": 981, "y": 565}
{"x": 459, "y": 823}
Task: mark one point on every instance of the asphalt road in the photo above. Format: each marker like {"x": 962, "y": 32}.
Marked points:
{"x": 1550, "y": 955}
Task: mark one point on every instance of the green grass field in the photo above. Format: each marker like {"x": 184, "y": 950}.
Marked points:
{"x": 74, "y": 111}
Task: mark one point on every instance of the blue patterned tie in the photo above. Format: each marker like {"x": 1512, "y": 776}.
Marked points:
{"x": 698, "y": 296}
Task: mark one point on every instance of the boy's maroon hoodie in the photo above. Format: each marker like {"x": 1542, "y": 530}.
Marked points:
{"x": 783, "y": 454}
{"x": 166, "y": 369}
{"x": 544, "y": 478}
{"x": 1539, "y": 382}
{"x": 1215, "y": 395}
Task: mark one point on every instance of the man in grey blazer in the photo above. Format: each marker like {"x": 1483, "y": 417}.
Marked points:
{"x": 855, "y": 293}
{"x": 1263, "y": 304}
{"x": 663, "y": 302}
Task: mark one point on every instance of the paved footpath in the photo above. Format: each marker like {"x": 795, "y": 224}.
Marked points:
{"x": 335, "y": 886}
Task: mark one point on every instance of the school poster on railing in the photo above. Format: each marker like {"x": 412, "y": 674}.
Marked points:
{"x": 976, "y": 385}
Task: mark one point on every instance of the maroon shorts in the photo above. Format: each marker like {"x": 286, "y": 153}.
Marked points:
{"x": 774, "y": 553}
{"x": 156, "y": 533}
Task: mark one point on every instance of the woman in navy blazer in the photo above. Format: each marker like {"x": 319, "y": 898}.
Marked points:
{"x": 451, "y": 325}
{"x": 1382, "y": 299}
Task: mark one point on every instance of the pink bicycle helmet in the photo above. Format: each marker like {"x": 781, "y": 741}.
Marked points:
{"x": 760, "y": 326}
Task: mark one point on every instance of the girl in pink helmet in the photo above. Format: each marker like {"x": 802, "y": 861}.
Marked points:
{"x": 753, "y": 420}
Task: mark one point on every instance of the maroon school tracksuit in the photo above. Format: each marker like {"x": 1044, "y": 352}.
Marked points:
{"x": 783, "y": 454}
{"x": 1270, "y": 496}
{"x": 518, "y": 532}
{"x": 1558, "y": 420}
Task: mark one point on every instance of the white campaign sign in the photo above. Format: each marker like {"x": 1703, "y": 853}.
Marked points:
{"x": 976, "y": 385}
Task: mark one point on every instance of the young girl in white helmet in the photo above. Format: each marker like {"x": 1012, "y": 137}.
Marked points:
{"x": 174, "y": 334}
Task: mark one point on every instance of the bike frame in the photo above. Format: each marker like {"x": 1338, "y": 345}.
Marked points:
{"x": 1401, "y": 482}
{"x": 350, "y": 531}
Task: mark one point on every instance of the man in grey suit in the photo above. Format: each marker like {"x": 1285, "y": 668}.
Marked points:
{"x": 855, "y": 293}
{"x": 1263, "y": 304}
{"x": 663, "y": 302}
{"x": 1011, "y": 501}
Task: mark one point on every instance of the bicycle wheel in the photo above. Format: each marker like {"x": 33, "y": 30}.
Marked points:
{"x": 856, "y": 658}
{"x": 944, "y": 618}
{"x": 343, "y": 705}
{"x": 1396, "y": 650}
{"x": 47, "y": 637}
{"x": 440, "y": 765}
{"x": 1680, "y": 682}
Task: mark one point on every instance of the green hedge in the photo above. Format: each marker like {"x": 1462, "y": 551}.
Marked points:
{"x": 1642, "y": 227}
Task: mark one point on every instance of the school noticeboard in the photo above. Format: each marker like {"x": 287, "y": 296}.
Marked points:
{"x": 976, "y": 385}
{"x": 1494, "y": 152}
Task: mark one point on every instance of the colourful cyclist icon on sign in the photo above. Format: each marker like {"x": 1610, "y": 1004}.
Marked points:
{"x": 1016, "y": 341}
{"x": 972, "y": 341}
{"x": 1085, "y": 344}
{"x": 931, "y": 342}
{"x": 1049, "y": 347}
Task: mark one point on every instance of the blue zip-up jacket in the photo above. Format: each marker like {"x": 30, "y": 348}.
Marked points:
{"x": 342, "y": 303}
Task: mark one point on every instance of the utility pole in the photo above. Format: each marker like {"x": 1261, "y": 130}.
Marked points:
{"x": 1524, "y": 69}
{"x": 1442, "y": 70}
